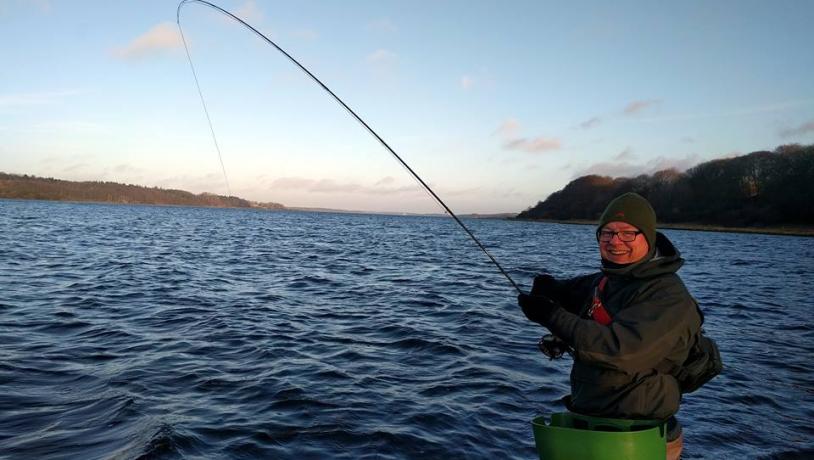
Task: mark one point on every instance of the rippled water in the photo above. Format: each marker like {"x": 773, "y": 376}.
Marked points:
{"x": 158, "y": 332}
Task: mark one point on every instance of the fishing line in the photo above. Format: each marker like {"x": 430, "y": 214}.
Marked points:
{"x": 345, "y": 106}
{"x": 203, "y": 101}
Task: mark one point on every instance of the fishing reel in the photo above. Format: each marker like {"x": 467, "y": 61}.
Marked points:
{"x": 553, "y": 347}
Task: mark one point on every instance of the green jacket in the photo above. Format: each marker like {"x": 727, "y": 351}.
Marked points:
{"x": 622, "y": 370}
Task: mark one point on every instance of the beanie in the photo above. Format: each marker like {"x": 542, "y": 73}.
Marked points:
{"x": 635, "y": 210}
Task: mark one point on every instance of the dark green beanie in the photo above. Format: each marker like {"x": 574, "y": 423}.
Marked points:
{"x": 635, "y": 210}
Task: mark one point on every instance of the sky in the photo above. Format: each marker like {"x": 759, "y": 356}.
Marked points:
{"x": 494, "y": 104}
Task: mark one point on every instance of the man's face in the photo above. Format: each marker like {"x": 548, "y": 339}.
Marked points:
{"x": 622, "y": 252}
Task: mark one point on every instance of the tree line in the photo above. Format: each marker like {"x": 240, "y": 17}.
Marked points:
{"x": 38, "y": 188}
{"x": 765, "y": 188}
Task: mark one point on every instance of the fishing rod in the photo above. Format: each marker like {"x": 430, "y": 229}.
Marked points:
{"x": 342, "y": 103}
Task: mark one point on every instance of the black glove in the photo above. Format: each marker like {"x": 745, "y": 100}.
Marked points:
{"x": 537, "y": 308}
{"x": 545, "y": 285}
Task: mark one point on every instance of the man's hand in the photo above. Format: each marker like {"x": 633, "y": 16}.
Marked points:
{"x": 537, "y": 308}
{"x": 545, "y": 285}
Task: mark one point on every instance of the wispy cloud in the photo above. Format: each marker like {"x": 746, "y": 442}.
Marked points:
{"x": 736, "y": 112}
{"x": 54, "y": 128}
{"x": 382, "y": 63}
{"x": 211, "y": 182}
{"x": 44, "y": 6}
{"x": 76, "y": 167}
{"x": 590, "y": 123}
{"x": 384, "y": 186}
{"x": 385, "y": 181}
{"x": 681, "y": 164}
{"x": 804, "y": 128}
{"x": 70, "y": 126}
{"x": 249, "y": 12}
{"x": 636, "y": 107}
{"x": 62, "y": 160}
{"x": 125, "y": 168}
{"x": 156, "y": 41}
{"x": 39, "y": 98}
{"x": 383, "y": 25}
{"x": 476, "y": 79}
{"x": 617, "y": 168}
{"x": 382, "y": 56}
{"x": 508, "y": 131}
{"x": 535, "y": 145}
{"x": 625, "y": 154}
{"x": 305, "y": 34}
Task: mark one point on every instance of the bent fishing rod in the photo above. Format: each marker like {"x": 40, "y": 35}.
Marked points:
{"x": 338, "y": 100}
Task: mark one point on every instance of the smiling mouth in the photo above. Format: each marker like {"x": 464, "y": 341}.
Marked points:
{"x": 617, "y": 253}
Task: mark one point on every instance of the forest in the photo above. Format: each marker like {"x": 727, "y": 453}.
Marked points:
{"x": 38, "y": 188}
{"x": 760, "y": 189}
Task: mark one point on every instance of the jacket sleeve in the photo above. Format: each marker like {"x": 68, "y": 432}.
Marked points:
{"x": 641, "y": 334}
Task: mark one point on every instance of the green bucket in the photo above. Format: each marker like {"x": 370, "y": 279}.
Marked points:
{"x": 572, "y": 436}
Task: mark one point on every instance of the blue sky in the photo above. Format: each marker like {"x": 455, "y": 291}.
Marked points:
{"x": 495, "y": 104}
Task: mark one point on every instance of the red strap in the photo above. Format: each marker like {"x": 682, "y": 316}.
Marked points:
{"x": 598, "y": 311}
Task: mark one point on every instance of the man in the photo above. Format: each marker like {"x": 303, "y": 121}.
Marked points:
{"x": 630, "y": 326}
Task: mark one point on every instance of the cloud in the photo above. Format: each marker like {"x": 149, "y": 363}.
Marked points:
{"x": 508, "y": 129}
{"x": 467, "y": 82}
{"x": 74, "y": 167}
{"x": 687, "y": 140}
{"x": 638, "y": 106}
{"x": 799, "y": 130}
{"x": 736, "y": 112}
{"x": 331, "y": 186}
{"x": 536, "y": 145}
{"x": 249, "y": 12}
{"x": 590, "y": 123}
{"x": 156, "y": 41}
{"x": 681, "y": 164}
{"x": 625, "y": 154}
{"x": 384, "y": 186}
{"x": 125, "y": 168}
{"x": 305, "y": 34}
{"x": 42, "y": 6}
{"x": 41, "y": 98}
{"x": 382, "y": 56}
{"x": 65, "y": 159}
{"x": 627, "y": 169}
{"x": 52, "y": 128}
{"x": 511, "y": 141}
{"x": 383, "y": 25}
{"x": 292, "y": 183}
{"x": 211, "y": 182}
{"x": 385, "y": 181}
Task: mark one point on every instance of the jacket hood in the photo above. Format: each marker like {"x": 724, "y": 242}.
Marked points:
{"x": 665, "y": 259}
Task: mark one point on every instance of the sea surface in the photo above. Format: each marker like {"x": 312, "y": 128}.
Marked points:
{"x": 141, "y": 332}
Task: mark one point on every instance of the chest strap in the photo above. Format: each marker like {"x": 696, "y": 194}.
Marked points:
{"x": 597, "y": 311}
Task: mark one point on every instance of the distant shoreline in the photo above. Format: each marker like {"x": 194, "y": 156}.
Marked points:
{"x": 783, "y": 231}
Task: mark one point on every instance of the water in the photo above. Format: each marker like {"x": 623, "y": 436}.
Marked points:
{"x": 157, "y": 332}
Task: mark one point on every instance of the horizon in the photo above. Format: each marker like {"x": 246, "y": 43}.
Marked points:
{"x": 441, "y": 212}
{"x": 494, "y": 106}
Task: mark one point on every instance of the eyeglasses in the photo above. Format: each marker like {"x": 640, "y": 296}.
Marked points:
{"x": 625, "y": 236}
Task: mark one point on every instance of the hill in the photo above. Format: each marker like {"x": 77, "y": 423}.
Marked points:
{"x": 761, "y": 189}
{"x": 38, "y": 188}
